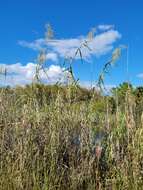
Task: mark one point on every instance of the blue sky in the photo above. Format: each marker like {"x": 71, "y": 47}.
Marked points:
{"x": 22, "y": 25}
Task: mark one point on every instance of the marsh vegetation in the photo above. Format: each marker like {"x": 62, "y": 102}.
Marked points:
{"x": 68, "y": 137}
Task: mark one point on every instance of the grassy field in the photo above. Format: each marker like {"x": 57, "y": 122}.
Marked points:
{"x": 66, "y": 137}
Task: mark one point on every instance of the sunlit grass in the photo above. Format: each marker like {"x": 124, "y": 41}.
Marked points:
{"x": 56, "y": 143}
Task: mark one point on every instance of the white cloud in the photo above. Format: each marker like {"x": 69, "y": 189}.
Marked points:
{"x": 18, "y": 74}
{"x": 140, "y": 75}
{"x": 105, "y": 27}
{"x": 100, "y": 44}
{"x": 33, "y": 45}
{"x": 52, "y": 56}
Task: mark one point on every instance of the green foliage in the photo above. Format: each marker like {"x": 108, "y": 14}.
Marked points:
{"x": 122, "y": 90}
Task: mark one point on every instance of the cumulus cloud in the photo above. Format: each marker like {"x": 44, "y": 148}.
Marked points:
{"x": 56, "y": 49}
{"x": 99, "y": 45}
{"x": 18, "y": 74}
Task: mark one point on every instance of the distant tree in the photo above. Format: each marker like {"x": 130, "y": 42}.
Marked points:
{"x": 139, "y": 101}
{"x": 139, "y": 94}
{"x": 121, "y": 91}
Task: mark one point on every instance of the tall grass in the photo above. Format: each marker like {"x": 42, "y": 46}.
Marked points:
{"x": 61, "y": 144}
